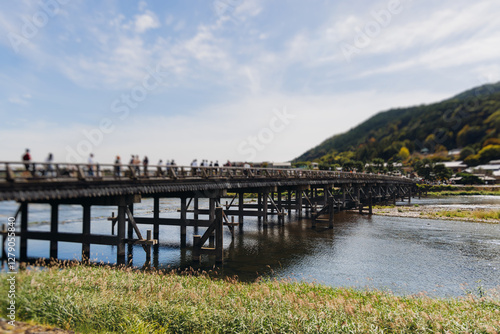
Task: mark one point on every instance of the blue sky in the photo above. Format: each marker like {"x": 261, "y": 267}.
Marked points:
{"x": 226, "y": 79}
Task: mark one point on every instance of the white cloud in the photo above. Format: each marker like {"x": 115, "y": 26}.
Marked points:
{"x": 146, "y": 21}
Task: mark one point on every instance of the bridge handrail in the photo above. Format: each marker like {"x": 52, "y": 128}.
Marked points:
{"x": 15, "y": 171}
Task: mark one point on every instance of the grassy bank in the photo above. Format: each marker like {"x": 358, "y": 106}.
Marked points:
{"x": 424, "y": 211}
{"x": 463, "y": 193}
{"x": 476, "y": 215}
{"x": 99, "y": 299}
{"x": 458, "y": 190}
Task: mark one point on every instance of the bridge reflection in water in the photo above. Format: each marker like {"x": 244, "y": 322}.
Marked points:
{"x": 279, "y": 192}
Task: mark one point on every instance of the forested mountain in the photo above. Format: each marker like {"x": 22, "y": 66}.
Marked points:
{"x": 468, "y": 120}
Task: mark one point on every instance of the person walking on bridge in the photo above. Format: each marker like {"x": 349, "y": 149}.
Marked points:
{"x": 27, "y": 159}
{"x": 118, "y": 166}
{"x": 90, "y": 165}
{"x": 49, "y": 169}
{"x": 145, "y": 163}
{"x": 194, "y": 166}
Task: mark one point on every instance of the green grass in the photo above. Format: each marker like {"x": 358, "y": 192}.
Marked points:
{"x": 470, "y": 214}
{"x": 451, "y": 190}
{"x": 101, "y": 300}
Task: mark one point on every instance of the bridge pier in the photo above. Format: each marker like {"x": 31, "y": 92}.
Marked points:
{"x": 241, "y": 203}
{"x": 156, "y": 217}
{"x": 24, "y": 230}
{"x": 120, "y": 241}
{"x": 86, "y": 232}
{"x": 54, "y": 225}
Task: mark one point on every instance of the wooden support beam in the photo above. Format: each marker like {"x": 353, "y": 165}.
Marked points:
{"x": 370, "y": 210}
{"x": 196, "y": 208}
{"x": 54, "y": 224}
{"x": 241, "y": 202}
{"x": 130, "y": 235}
{"x": 331, "y": 206}
{"x": 156, "y": 217}
{"x": 172, "y": 221}
{"x": 281, "y": 214}
{"x": 86, "y": 232}
{"x": 183, "y": 222}
{"x": 120, "y": 239}
{"x": 259, "y": 205}
{"x": 289, "y": 202}
{"x": 24, "y": 228}
{"x": 264, "y": 208}
{"x": 133, "y": 224}
{"x": 219, "y": 236}
{"x": 198, "y": 241}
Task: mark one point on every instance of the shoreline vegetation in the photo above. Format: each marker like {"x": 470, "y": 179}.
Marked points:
{"x": 459, "y": 190}
{"x": 103, "y": 299}
{"x": 432, "y": 212}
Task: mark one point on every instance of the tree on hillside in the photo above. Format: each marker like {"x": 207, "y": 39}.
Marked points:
{"x": 467, "y": 151}
{"x": 404, "y": 153}
{"x": 488, "y": 153}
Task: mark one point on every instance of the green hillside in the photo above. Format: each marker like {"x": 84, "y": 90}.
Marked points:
{"x": 469, "y": 120}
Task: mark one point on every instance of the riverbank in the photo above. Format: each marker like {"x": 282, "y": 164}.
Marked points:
{"x": 101, "y": 299}
{"x": 460, "y": 190}
{"x": 436, "y": 212}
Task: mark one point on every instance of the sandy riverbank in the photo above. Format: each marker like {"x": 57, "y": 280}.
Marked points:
{"x": 432, "y": 212}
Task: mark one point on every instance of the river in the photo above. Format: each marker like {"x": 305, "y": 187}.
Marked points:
{"x": 404, "y": 255}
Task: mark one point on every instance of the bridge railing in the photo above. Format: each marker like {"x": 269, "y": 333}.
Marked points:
{"x": 52, "y": 172}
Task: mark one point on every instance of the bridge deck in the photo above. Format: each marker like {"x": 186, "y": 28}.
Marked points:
{"x": 59, "y": 181}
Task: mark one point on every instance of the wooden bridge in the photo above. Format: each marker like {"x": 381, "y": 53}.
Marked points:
{"x": 279, "y": 192}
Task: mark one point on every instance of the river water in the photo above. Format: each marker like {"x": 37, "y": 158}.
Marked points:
{"x": 405, "y": 255}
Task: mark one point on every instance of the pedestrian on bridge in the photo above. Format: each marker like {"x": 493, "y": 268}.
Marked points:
{"x": 145, "y": 163}
{"x": 118, "y": 166}
{"x": 90, "y": 165}
{"x": 194, "y": 165}
{"x": 173, "y": 164}
{"x": 49, "y": 169}
{"x": 27, "y": 159}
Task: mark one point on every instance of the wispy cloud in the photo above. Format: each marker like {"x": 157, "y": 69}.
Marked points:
{"x": 22, "y": 100}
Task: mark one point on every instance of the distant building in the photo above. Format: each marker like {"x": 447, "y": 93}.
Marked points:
{"x": 280, "y": 164}
{"x": 455, "y": 166}
{"x": 489, "y": 173}
{"x": 455, "y": 152}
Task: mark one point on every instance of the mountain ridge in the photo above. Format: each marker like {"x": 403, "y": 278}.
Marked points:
{"x": 454, "y": 122}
